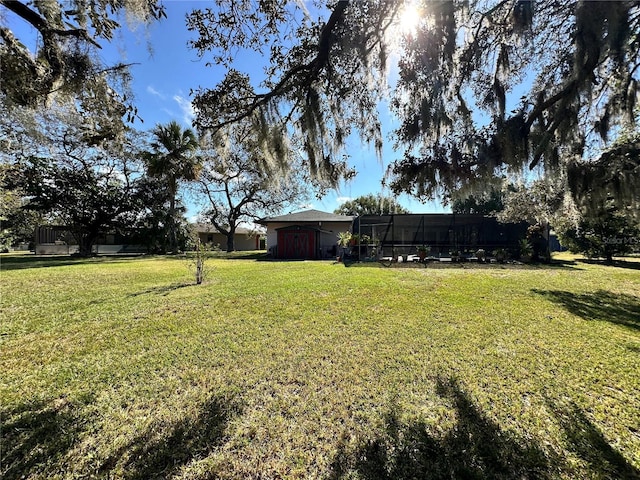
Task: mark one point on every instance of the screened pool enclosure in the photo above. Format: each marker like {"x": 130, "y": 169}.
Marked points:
{"x": 380, "y": 236}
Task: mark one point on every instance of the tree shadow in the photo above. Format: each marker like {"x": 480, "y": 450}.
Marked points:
{"x": 163, "y": 449}
{"x": 258, "y": 255}
{"x": 266, "y": 259}
{"x": 21, "y": 262}
{"x": 618, "y": 308}
{"x": 588, "y": 443}
{"x": 37, "y": 435}
{"x": 444, "y": 265}
{"x": 558, "y": 263}
{"x": 163, "y": 290}
{"x": 37, "y": 438}
{"x": 476, "y": 448}
{"x": 634, "y": 348}
{"x": 615, "y": 263}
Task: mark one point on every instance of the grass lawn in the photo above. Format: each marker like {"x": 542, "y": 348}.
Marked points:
{"x": 124, "y": 368}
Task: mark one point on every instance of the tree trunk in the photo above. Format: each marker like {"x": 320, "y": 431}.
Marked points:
{"x": 609, "y": 256}
{"x": 85, "y": 245}
{"x": 230, "y": 240}
{"x": 171, "y": 226}
{"x": 547, "y": 235}
{"x": 199, "y": 267}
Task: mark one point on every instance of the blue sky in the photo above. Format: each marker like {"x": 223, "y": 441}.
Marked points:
{"x": 166, "y": 70}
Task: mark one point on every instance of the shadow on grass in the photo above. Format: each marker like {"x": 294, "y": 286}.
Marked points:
{"x": 436, "y": 264}
{"x": 259, "y": 255}
{"x": 476, "y": 448}
{"x": 555, "y": 262}
{"x": 36, "y": 437}
{"x": 163, "y": 290}
{"x": 616, "y": 263}
{"x": 19, "y": 262}
{"x": 634, "y": 348}
{"x": 617, "y": 308}
{"x": 588, "y": 443}
{"x": 162, "y": 450}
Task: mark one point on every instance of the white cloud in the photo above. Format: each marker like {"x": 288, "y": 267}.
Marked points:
{"x": 186, "y": 107}
{"x": 303, "y": 6}
{"x": 341, "y": 200}
{"x": 187, "y": 112}
{"x": 153, "y": 91}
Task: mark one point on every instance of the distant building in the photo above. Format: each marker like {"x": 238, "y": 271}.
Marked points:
{"x": 58, "y": 240}
{"x": 244, "y": 238}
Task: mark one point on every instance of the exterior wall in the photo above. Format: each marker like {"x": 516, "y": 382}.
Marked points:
{"x": 119, "y": 249}
{"x": 60, "y": 249}
{"x": 328, "y": 238}
{"x": 55, "y": 249}
{"x": 241, "y": 241}
{"x": 328, "y": 243}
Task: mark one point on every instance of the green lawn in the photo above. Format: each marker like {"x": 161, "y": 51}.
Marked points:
{"x": 124, "y": 368}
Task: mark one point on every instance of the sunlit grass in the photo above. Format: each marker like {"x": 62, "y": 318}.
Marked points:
{"x": 124, "y": 368}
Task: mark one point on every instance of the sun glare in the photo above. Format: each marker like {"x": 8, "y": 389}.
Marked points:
{"x": 409, "y": 19}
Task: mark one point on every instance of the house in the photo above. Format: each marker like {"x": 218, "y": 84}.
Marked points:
{"x": 311, "y": 234}
{"x": 244, "y": 238}
{"x": 58, "y": 240}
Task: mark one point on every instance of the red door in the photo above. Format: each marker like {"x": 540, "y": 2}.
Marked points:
{"x": 296, "y": 244}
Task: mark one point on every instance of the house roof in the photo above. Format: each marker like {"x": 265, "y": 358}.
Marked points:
{"x": 307, "y": 216}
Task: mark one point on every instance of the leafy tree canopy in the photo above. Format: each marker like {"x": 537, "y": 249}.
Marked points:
{"x": 370, "y": 205}
{"x": 613, "y": 178}
{"x": 17, "y": 224}
{"x": 323, "y": 80}
{"x": 486, "y": 87}
{"x": 173, "y": 158}
{"x": 604, "y": 233}
{"x": 236, "y": 186}
{"x": 482, "y": 204}
{"x": 543, "y": 201}
{"x": 69, "y": 182}
{"x": 66, "y": 65}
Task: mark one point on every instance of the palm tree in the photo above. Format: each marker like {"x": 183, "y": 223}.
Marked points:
{"x": 173, "y": 159}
